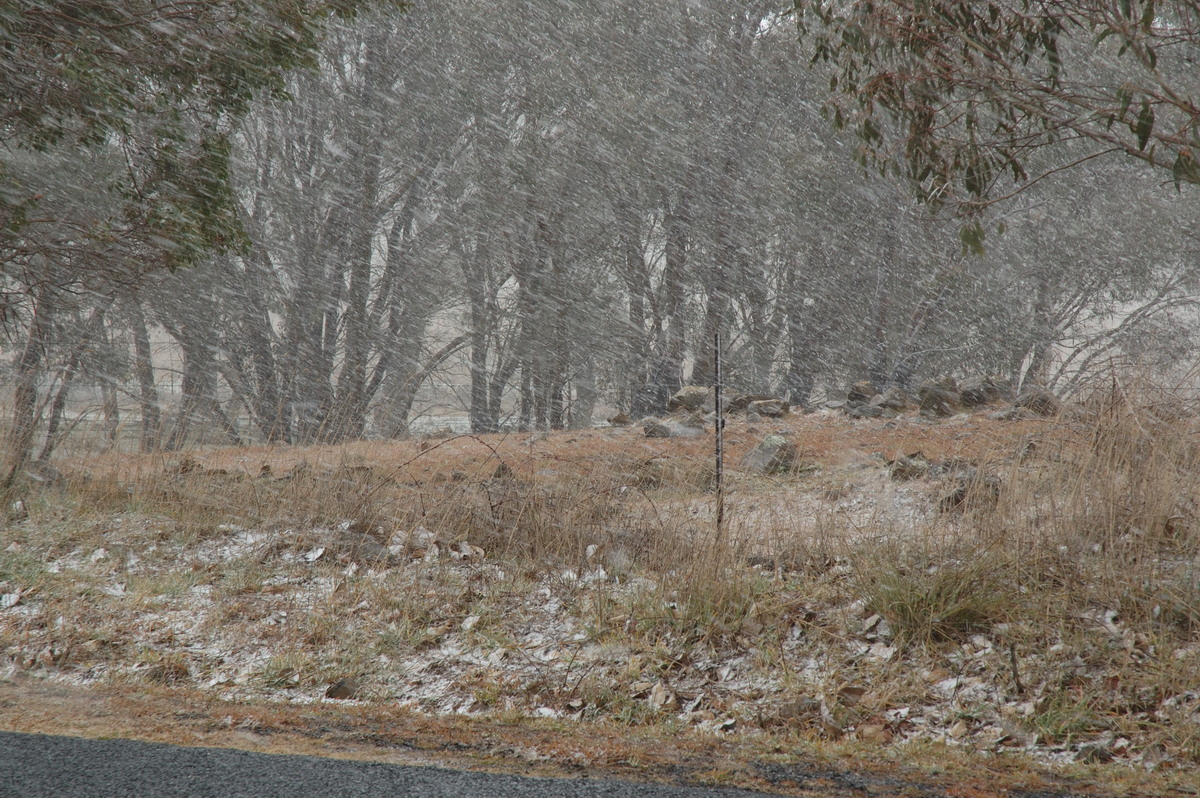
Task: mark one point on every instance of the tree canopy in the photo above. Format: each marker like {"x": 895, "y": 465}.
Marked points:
{"x": 115, "y": 123}
{"x": 159, "y": 82}
{"x": 960, "y": 95}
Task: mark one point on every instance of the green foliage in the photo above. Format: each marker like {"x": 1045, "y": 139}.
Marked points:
{"x": 162, "y": 84}
{"x": 939, "y": 597}
{"x": 972, "y": 235}
{"x": 973, "y": 91}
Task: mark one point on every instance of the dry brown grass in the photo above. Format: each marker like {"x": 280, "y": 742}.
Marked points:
{"x": 1057, "y": 608}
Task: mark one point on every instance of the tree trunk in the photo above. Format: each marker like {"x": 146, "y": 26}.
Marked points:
{"x": 1044, "y": 327}
{"x": 25, "y": 394}
{"x": 143, "y": 367}
{"x": 87, "y": 332}
{"x": 264, "y": 399}
{"x": 665, "y": 375}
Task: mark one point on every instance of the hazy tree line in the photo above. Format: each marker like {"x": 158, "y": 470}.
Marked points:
{"x": 564, "y": 201}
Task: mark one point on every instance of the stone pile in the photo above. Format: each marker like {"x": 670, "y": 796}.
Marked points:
{"x": 692, "y": 410}
{"x": 947, "y": 396}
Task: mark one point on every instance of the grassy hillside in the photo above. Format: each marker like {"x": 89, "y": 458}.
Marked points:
{"x": 1005, "y": 591}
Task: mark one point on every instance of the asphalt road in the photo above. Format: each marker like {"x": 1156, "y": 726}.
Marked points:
{"x": 34, "y": 765}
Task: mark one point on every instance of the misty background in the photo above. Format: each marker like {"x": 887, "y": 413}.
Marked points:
{"x": 528, "y": 214}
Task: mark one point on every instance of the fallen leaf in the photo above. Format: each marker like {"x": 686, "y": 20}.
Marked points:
{"x": 344, "y": 688}
{"x": 874, "y": 733}
{"x": 662, "y": 698}
{"x": 851, "y": 694}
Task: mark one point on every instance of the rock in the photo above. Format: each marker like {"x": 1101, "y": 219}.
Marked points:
{"x": 691, "y": 397}
{"x": 655, "y": 428}
{"x": 774, "y": 454}
{"x": 866, "y": 411}
{"x": 939, "y": 399}
{"x": 978, "y": 390}
{"x": 769, "y": 408}
{"x": 891, "y": 399}
{"x": 861, "y": 392}
{"x": 670, "y": 428}
{"x": 743, "y": 400}
{"x": 344, "y": 689}
{"x": 1039, "y": 400}
{"x": 908, "y": 466}
{"x": 360, "y": 548}
{"x": 620, "y": 420}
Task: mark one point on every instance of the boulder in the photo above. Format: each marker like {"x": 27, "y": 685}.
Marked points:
{"x": 742, "y": 401}
{"x": 861, "y": 392}
{"x": 867, "y": 411}
{"x": 939, "y": 399}
{"x": 691, "y": 397}
{"x": 774, "y": 454}
{"x": 769, "y": 408}
{"x": 671, "y": 428}
{"x": 909, "y": 466}
{"x": 891, "y": 399}
{"x": 1037, "y": 399}
{"x": 978, "y": 390}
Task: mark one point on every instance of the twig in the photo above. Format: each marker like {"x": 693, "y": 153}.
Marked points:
{"x": 1012, "y": 661}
